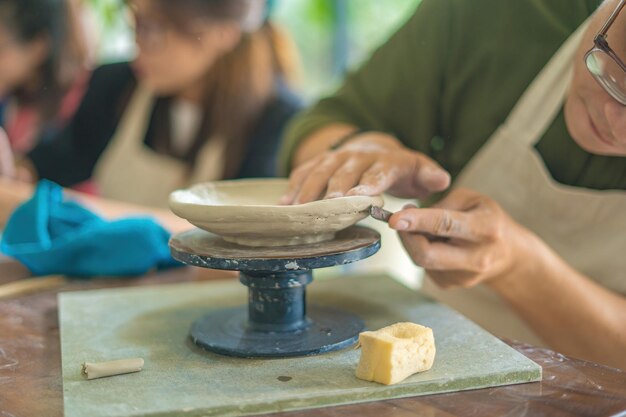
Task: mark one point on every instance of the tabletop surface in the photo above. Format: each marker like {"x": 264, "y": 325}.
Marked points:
{"x": 30, "y": 367}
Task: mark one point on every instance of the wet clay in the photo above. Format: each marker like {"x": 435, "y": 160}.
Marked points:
{"x": 247, "y": 212}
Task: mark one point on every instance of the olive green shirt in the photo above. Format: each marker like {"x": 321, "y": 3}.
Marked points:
{"x": 450, "y": 76}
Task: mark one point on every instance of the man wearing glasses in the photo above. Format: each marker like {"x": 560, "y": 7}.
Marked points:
{"x": 524, "y": 105}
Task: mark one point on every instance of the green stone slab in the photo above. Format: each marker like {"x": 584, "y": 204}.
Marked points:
{"x": 181, "y": 380}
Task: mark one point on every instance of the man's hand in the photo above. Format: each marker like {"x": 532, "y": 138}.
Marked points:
{"x": 370, "y": 164}
{"x": 464, "y": 240}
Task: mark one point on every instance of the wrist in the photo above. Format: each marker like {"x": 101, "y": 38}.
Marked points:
{"x": 342, "y": 140}
{"x": 370, "y": 139}
{"x": 25, "y": 171}
{"x": 529, "y": 261}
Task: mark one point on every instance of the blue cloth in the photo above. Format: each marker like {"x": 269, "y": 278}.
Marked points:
{"x": 51, "y": 235}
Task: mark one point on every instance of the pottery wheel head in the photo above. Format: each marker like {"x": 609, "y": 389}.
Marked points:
{"x": 247, "y": 212}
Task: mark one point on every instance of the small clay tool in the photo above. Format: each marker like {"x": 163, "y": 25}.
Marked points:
{"x": 111, "y": 368}
{"x": 31, "y": 285}
{"x": 380, "y": 213}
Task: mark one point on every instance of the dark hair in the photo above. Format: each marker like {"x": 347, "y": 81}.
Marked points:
{"x": 28, "y": 20}
{"x": 241, "y": 83}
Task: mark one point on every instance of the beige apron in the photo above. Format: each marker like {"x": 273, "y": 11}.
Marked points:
{"x": 130, "y": 171}
{"x": 585, "y": 227}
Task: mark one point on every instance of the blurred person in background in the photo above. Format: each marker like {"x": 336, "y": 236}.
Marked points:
{"x": 206, "y": 98}
{"x": 43, "y": 69}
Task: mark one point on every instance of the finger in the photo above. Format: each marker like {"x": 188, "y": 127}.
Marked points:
{"x": 460, "y": 199}
{"x": 438, "y": 222}
{"x": 454, "y": 279}
{"x": 296, "y": 179}
{"x": 376, "y": 180}
{"x": 439, "y": 256}
{"x": 485, "y": 216}
{"x": 7, "y": 161}
{"x": 317, "y": 179}
{"x": 347, "y": 176}
{"x": 430, "y": 176}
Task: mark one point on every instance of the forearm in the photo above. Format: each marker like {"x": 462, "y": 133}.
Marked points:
{"x": 13, "y": 193}
{"x": 112, "y": 209}
{"x": 572, "y": 313}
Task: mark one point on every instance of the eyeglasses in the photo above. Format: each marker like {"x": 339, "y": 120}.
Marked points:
{"x": 605, "y": 66}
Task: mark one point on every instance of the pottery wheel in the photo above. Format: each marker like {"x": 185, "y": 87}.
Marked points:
{"x": 276, "y": 322}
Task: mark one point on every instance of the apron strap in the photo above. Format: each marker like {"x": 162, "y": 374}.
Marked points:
{"x": 539, "y": 105}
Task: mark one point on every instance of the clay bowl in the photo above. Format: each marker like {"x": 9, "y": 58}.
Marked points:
{"x": 247, "y": 212}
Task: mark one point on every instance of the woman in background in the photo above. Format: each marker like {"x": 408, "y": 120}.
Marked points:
{"x": 204, "y": 99}
{"x": 42, "y": 69}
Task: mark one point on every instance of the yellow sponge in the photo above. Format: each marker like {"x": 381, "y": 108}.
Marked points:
{"x": 395, "y": 352}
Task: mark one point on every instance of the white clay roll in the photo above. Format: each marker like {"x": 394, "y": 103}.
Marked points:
{"x": 112, "y": 368}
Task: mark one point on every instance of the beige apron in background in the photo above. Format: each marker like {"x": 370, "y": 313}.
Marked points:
{"x": 585, "y": 227}
{"x": 130, "y": 171}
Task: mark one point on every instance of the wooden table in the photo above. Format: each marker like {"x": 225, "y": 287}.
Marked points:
{"x": 30, "y": 368}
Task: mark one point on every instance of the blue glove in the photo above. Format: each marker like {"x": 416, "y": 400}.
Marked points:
{"x": 53, "y": 236}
